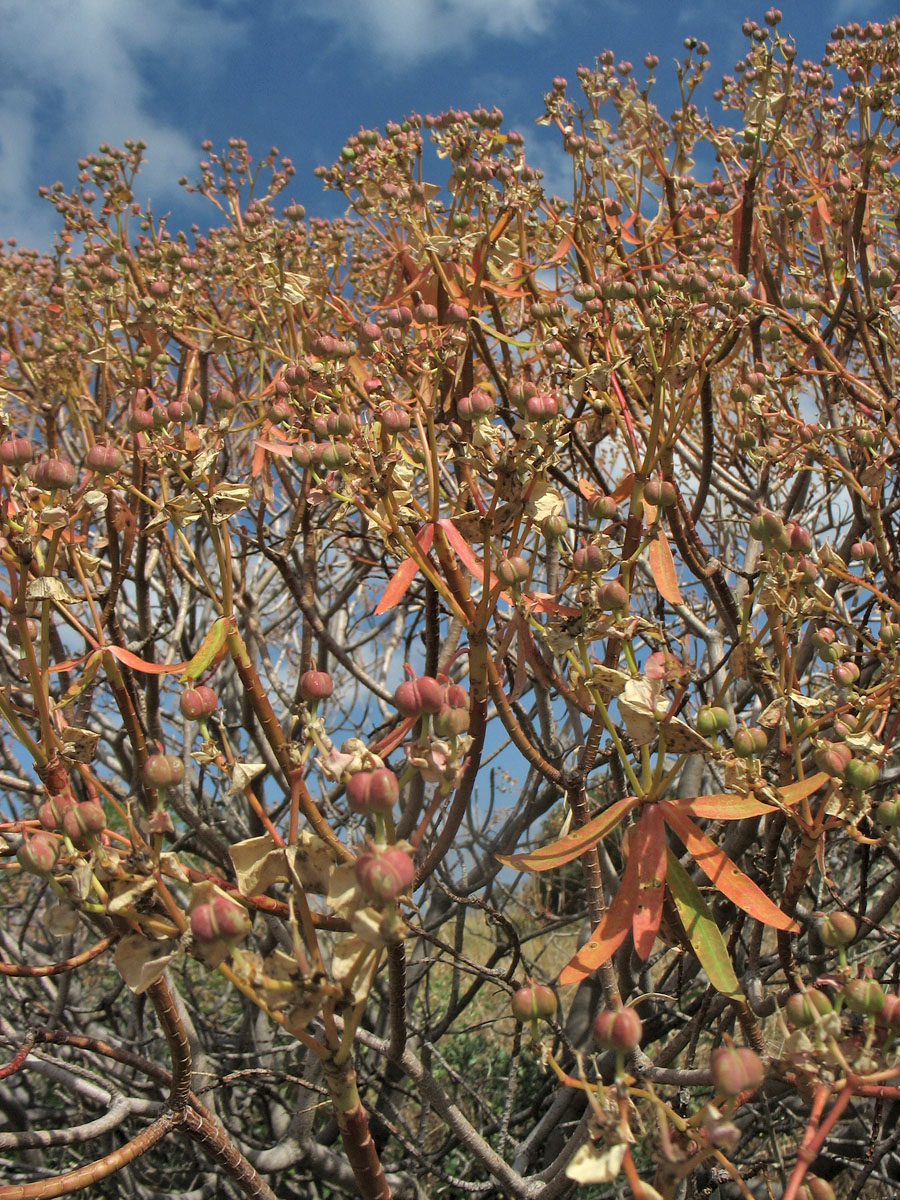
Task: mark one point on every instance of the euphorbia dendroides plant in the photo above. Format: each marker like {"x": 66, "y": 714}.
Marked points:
{"x": 368, "y": 581}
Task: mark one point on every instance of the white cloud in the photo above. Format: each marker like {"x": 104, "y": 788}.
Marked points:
{"x": 74, "y": 73}
{"x": 405, "y": 31}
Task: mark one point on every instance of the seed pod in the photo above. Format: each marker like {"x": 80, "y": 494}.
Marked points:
{"x": 197, "y": 702}
{"x": 887, "y": 814}
{"x": 860, "y": 774}
{"x": 736, "y": 1069}
{"x": 416, "y": 697}
{"x": 833, "y": 757}
{"x": 865, "y": 996}
{"x": 814, "y": 1187}
{"x": 589, "y": 560}
{"x": 384, "y": 874}
{"x": 16, "y": 452}
{"x": 373, "y": 791}
{"x": 612, "y": 596}
{"x": 660, "y": 492}
{"x": 104, "y": 459}
{"x": 513, "y": 570}
{"x": 476, "y": 404}
{"x": 617, "y": 1030}
{"x": 163, "y": 770}
{"x": 315, "y": 685}
{"x": 55, "y": 473}
{"x": 83, "y": 820}
{"x": 711, "y": 719}
{"x": 603, "y": 508}
{"x": 220, "y": 917}
{"x": 533, "y": 1001}
{"x": 803, "y": 1008}
{"x": 837, "y": 928}
{"x": 38, "y": 854}
{"x": 395, "y": 420}
{"x": 541, "y": 407}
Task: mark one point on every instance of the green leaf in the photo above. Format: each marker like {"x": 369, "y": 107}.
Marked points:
{"x": 702, "y": 932}
{"x": 212, "y": 649}
{"x": 573, "y": 845}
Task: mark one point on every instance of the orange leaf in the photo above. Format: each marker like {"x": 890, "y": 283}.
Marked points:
{"x": 573, "y": 845}
{"x": 610, "y": 933}
{"x": 723, "y": 806}
{"x": 139, "y": 664}
{"x": 662, "y": 566}
{"x": 405, "y": 573}
{"x": 648, "y": 846}
{"x": 795, "y": 792}
{"x": 282, "y": 448}
{"x": 725, "y": 875}
{"x": 465, "y": 551}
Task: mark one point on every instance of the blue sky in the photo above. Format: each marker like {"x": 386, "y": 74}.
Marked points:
{"x": 304, "y": 74}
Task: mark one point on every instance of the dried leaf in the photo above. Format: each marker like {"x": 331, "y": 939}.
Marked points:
{"x": 80, "y": 744}
{"x": 682, "y": 739}
{"x": 47, "y": 588}
{"x": 310, "y": 861}
{"x": 590, "y": 1164}
{"x": 242, "y": 776}
{"x": 258, "y": 863}
{"x": 61, "y": 919}
{"x": 142, "y": 961}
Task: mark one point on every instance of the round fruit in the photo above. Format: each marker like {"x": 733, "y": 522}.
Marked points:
{"x": 837, "y": 928}
{"x": 38, "y": 854}
{"x": 845, "y": 674}
{"x": 590, "y": 559}
{"x": 476, "y": 404}
{"x": 803, "y": 1008}
{"x": 612, "y": 596}
{"x": 315, "y": 685}
{"x": 513, "y": 570}
{"x": 815, "y": 1188}
{"x": 373, "y": 791}
{"x": 744, "y": 743}
{"x": 163, "y": 770}
{"x": 15, "y": 452}
{"x": 860, "y": 774}
{"x": 603, "y": 508}
{"x": 104, "y": 459}
{"x": 197, "y": 702}
{"x": 887, "y": 814}
{"x": 533, "y": 1001}
{"x": 833, "y": 758}
{"x": 415, "y": 697}
{"x": 384, "y": 874}
{"x": 541, "y": 407}
{"x": 220, "y": 917}
{"x": 865, "y": 996}
{"x": 55, "y": 473}
{"x": 736, "y": 1069}
{"x": 660, "y": 492}
{"x": 617, "y": 1030}
{"x": 711, "y": 719}
{"x": 83, "y": 820}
